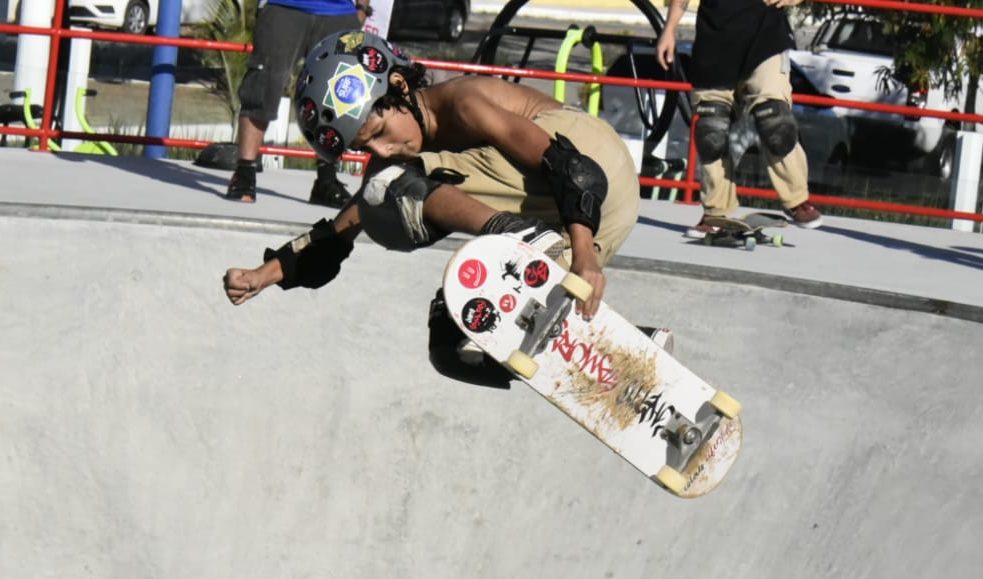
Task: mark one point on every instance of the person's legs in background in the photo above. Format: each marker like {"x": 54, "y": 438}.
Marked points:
{"x": 328, "y": 190}
{"x": 769, "y": 100}
{"x": 277, "y": 41}
{"x": 719, "y": 194}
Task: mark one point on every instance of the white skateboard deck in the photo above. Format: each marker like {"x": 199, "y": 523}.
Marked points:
{"x": 605, "y": 374}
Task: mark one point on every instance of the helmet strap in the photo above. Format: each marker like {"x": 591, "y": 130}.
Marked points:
{"x": 418, "y": 114}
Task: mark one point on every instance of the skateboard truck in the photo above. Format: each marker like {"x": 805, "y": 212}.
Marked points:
{"x": 543, "y": 322}
{"x": 684, "y": 437}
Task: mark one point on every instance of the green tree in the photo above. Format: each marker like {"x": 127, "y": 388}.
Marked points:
{"x": 930, "y": 51}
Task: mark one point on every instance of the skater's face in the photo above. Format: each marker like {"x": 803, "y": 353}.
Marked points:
{"x": 392, "y": 133}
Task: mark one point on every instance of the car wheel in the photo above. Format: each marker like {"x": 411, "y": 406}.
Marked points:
{"x": 453, "y": 26}
{"x": 945, "y": 156}
{"x": 136, "y": 17}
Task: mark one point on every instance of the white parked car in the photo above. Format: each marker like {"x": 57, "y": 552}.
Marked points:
{"x": 849, "y": 58}
{"x": 137, "y": 16}
{"x": 132, "y": 16}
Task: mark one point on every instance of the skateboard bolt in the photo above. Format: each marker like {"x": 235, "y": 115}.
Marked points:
{"x": 691, "y": 435}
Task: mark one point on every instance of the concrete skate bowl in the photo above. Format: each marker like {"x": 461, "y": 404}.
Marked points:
{"x": 150, "y": 429}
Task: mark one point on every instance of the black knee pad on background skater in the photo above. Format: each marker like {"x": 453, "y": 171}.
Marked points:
{"x": 712, "y": 130}
{"x": 776, "y": 127}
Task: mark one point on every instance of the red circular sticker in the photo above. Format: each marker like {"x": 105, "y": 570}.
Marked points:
{"x": 472, "y": 274}
{"x": 507, "y": 303}
{"x": 536, "y": 273}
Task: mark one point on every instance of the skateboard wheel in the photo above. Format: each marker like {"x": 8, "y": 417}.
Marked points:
{"x": 671, "y": 479}
{"x": 725, "y": 405}
{"x": 707, "y": 239}
{"x": 750, "y": 243}
{"x": 577, "y": 287}
{"x": 522, "y": 364}
{"x": 777, "y": 240}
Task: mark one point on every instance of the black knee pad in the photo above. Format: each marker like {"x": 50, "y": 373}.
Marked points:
{"x": 712, "y": 129}
{"x": 776, "y": 127}
{"x": 252, "y": 91}
{"x": 391, "y": 206}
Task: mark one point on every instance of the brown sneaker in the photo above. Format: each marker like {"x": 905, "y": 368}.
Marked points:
{"x": 805, "y": 215}
{"x": 701, "y": 229}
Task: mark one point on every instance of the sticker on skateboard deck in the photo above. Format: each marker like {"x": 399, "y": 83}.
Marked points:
{"x": 517, "y": 304}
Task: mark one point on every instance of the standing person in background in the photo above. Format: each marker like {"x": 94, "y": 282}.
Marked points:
{"x": 740, "y": 66}
{"x": 285, "y": 31}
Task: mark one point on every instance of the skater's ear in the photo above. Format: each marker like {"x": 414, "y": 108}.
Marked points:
{"x": 396, "y": 79}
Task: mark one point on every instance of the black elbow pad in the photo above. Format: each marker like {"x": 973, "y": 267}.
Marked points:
{"x": 578, "y": 182}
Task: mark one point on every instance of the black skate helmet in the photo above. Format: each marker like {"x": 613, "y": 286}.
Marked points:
{"x": 343, "y": 76}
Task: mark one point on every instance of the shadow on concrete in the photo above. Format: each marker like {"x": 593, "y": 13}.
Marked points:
{"x": 172, "y": 173}
{"x": 955, "y": 255}
{"x": 959, "y": 255}
{"x": 966, "y": 248}
{"x": 681, "y": 229}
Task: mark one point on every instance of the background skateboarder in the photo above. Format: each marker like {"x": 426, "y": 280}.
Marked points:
{"x": 740, "y": 66}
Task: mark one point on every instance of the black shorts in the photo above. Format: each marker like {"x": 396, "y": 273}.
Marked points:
{"x": 282, "y": 36}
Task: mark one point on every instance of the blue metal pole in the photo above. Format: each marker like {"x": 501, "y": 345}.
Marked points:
{"x": 162, "y": 77}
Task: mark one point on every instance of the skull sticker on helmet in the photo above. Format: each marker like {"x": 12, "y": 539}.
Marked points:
{"x": 330, "y": 141}
{"x": 372, "y": 59}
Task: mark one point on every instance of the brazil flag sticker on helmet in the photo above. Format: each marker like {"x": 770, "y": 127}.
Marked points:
{"x": 348, "y": 90}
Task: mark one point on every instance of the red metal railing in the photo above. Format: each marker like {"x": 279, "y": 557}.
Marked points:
{"x": 909, "y": 7}
{"x": 689, "y": 186}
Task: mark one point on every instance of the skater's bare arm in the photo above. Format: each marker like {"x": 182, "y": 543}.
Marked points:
{"x": 242, "y": 285}
{"x": 514, "y": 135}
{"x": 310, "y": 260}
{"x": 666, "y": 47}
{"x": 586, "y": 265}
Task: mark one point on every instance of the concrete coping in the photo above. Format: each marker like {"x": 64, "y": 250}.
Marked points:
{"x": 687, "y": 270}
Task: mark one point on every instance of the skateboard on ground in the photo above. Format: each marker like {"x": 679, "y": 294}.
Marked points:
{"x": 517, "y": 305}
{"x": 747, "y": 231}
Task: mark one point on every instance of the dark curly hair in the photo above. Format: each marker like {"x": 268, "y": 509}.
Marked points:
{"x": 416, "y": 78}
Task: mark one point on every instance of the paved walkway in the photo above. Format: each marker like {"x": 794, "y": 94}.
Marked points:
{"x": 918, "y": 268}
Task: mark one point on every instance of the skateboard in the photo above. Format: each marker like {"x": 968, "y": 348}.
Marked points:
{"x": 747, "y": 231}
{"x": 517, "y": 305}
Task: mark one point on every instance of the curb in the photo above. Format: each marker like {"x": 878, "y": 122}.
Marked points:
{"x": 658, "y": 266}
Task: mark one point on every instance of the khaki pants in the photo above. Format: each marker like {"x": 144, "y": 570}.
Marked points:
{"x": 789, "y": 175}
{"x": 497, "y": 182}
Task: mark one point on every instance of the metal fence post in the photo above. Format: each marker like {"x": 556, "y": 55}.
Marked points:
{"x": 31, "y": 62}
{"x": 966, "y": 177}
{"x": 161, "y": 99}
{"x": 78, "y": 79}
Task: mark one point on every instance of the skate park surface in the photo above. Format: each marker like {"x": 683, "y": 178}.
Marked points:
{"x": 151, "y": 429}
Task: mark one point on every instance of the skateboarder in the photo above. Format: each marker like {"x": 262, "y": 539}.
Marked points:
{"x": 472, "y": 154}
{"x": 741, "y": 66}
